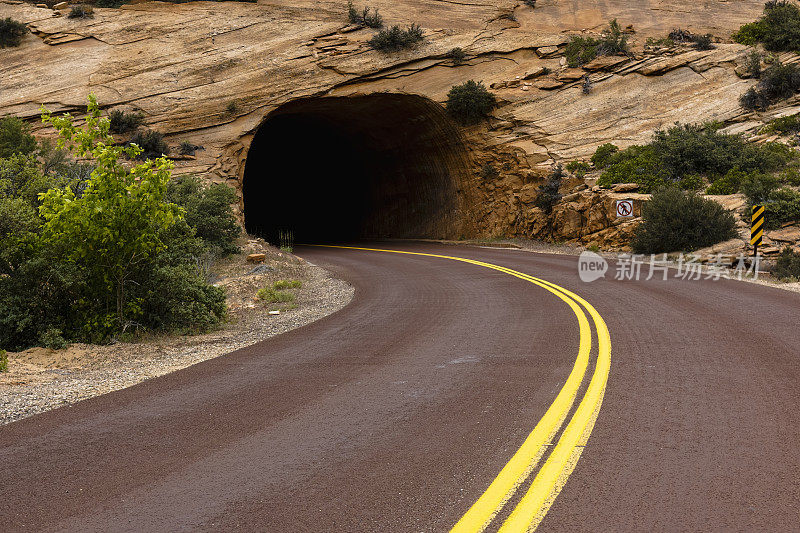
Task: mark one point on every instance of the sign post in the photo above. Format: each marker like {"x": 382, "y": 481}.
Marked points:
{"x": 757, "y": 228}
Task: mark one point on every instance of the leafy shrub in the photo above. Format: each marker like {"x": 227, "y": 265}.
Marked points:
{"x": 15, "y": 137}
{"x": 580, "y": 50}
{"x": 602, "y": 156}
{"x": 271, "y": 296}
{"x": 787, "y": 267}
{"x": 396, "y": 38}
{"x": 287, "y": 284}
{"x": 791, "y": 176}
{"x": 3, "y": 361}
{"x": 703, "y": 42}
{"x": 457, "y": 55}
{"x": 782, "y": 206}
{"x": 778, "y": 82}
{"x": 686, "y": 150}
{"x": 548, "y": 195}
{"x": 470, "y": 102}
{"x": 758, "y": 187}
{"x": 366, "y": 17}
{"x": 674, "y": 220}
{"x": 81, "y": 11}
{"x": 51, "y": 338}
{"x": 783, "y": 125}
{"x": 232, "y": 108}
{"x": 208, "y": 210}
{"x": 752, "y": 63}
{"x": 151, "y": 143}
{"x": 124, "y": 121}
{"x": 729, "y": 183}
{"x": 691, "y": 182}
{"x": 187, "y": 148}
{"x": 11, "y": 33}
{"x": 579, "y": 168}
{"x": 778, "y": 28}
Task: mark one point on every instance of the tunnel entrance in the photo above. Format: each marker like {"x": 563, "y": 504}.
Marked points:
{"x": 335, "y": 169}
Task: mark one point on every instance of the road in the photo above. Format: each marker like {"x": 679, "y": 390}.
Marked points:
{"x": 398, "y": 412}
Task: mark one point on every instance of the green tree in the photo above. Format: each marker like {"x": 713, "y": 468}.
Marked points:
{"x": 470, "y": 102}
{"x": 15, "y": 137}
{"x": 115, "y": 226}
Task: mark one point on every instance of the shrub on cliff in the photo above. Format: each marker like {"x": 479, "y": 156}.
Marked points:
{"x": 11, "y": 32}
{"x": 787, "y": 267}
{"x": 151, "y": 143}
{"x": 469, "y": 102}
{"x": 123, "y": 121}
{"x": 81, "y": 11}
{"x": 778, "y": 82}
{"x": 15, "y": 137}
{"x": 548, "y": 195}
{"x": 365, "y": 17}
{"x": 778, "y": 28}
{"x": 674, "y": 220}
{"x": 208, "y": 210}
{"x": 581, "y": 50}
{"x": 396, "y": 38}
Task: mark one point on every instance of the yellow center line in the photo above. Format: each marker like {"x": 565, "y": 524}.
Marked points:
{"x": 552, "y": 476}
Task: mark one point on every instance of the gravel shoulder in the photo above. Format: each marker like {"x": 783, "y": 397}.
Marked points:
{"x": 40, "y": 379}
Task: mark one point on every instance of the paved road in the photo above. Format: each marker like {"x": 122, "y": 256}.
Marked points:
{"x": 396, "y": 413}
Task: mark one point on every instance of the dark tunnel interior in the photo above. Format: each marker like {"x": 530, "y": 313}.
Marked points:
{"x": 338, "y": 169}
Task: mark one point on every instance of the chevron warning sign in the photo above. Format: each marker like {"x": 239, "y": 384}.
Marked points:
{"x": 757, "y": 226}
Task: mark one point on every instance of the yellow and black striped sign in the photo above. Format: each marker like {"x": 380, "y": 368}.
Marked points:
{"x": 757, "y": 226}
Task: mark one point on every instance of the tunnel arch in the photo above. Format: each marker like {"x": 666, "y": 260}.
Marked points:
{"x": 336, "y": 169}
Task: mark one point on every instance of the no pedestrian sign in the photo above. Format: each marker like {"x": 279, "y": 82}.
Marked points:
{"x": 625, "y": 208}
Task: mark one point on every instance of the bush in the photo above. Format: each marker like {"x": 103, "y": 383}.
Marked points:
{"x": 674, "y": 220}
{"x": 689, "y": 150}
{"x": 396, "y": 38}
{"x": 778, "y": 82}
{"x": 469, "y": 102}
{"x": 366, "y": 17}
{"x": 782, "y": 206}
{"x": 51, "y": 338}
{"x": 778, "y": 28}
{"x": 232, "y": 108}
{"x": 758, "y": 188}
{"x": 3, "y": 361}
{"x": 457, "y": 55}
{"x": 548, "y": 195}
{"x": 602, "y": 156}
{"x": 151, "y": 143}
{"x": 579, "y": 168}
{"x": 81, "y": 11}
{"x": 179, "y": 299}
{"x": 123, "y": 121}
{"x": 787, "y": 267}
{"x": 703, "y": 42}
{"x": 15, "y": 137}
{"x": 729, "y": 183}
{"x": 188, "y": 148}
{"x": 752, "y": 63}
{"x": 580, "y": 50}
{"x": 271, "y": 296}
{"x": 110, "y": 3}
{"x": 783, "y": 125}
{"x": 11, "y": 33}
{"x": 208, "y": 210}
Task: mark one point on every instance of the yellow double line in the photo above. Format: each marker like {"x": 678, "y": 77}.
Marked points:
{"x": 553, "y": 474}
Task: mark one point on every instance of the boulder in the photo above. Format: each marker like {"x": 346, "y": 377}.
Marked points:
{"x": 625, "y": 187}
{"x": 256, "y": 258}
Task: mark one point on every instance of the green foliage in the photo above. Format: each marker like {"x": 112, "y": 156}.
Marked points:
{"x": 663, "y": 42}
{"x": 396, "y": 38}
{"x": 758, "y": 187}
{"x": 286, "y": 240}
{"x": 3, "y": 361}
{"x": 791, "y": 176}
{"x": 188, "y": 148}
{"x": 124, "y": 121}
{"x": 691, "y": 150}
{"x": 782, "y": 206}
{"x": 208, "y": 210}
{"x": 729, "y": 183}
{"x": 674, "y": 220}
{"x": 752, "y": 63}
{"x": 778, "y": 28}
{"x": 579, "y": 168}
{"x": 783, "y": 125}
{"x": 703, "y": 42}
{"x": 580, "y": 50}
{"x": 51, "y": 338}
{"x": 778, "y": 82}
{"x": 787, "y": 267}
{"x": 15, "y": 137}
{"x": 232, "y": 108}
{"x": 469, "y": 102}
{"x": 457, "y": 55}
{"x": 365, "y": 17}
{"x": 287, "y": 284}
{"x": 114, "y": 228}
{"x": 602, "y": 156}
{"x": 11, "y": 32}
{"x": 548, "y": 195}
{"x": 270, "y": 295}
{"x": 151, "y": 145}
{"x": 81, "y": 11}
{"x": 179, "y": 299}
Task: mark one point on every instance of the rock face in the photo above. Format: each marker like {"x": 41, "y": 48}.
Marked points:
{"x": 212, "y": 73}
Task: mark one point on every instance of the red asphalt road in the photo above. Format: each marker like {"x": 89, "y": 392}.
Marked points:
{"x": 395, "y": 413}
